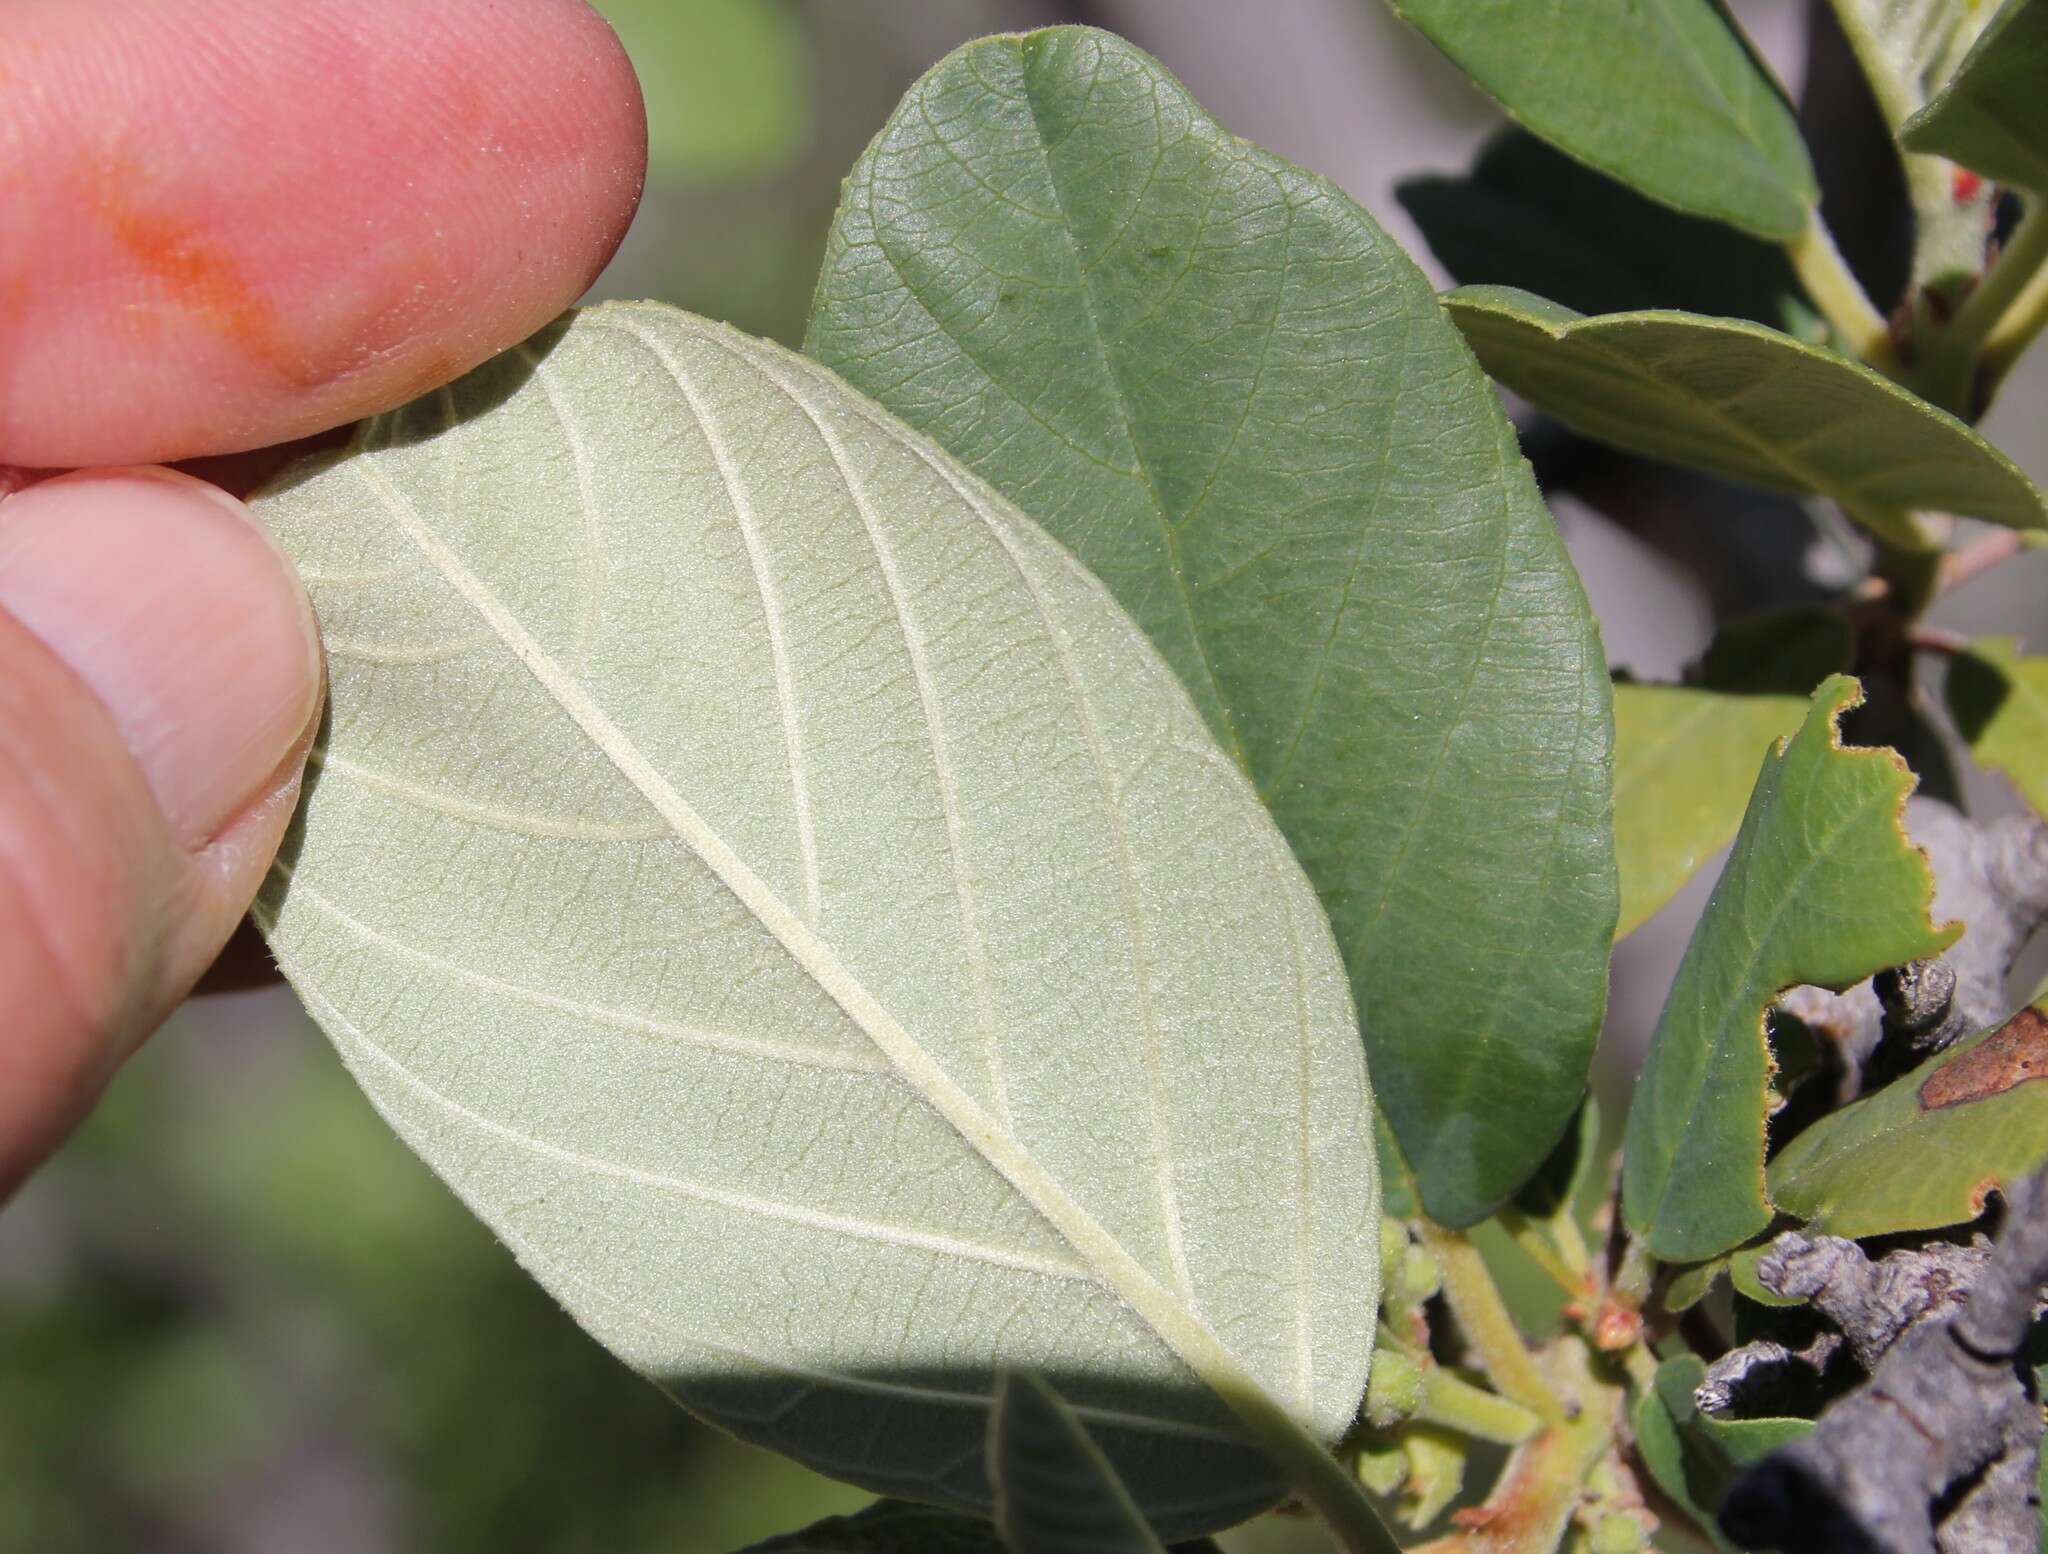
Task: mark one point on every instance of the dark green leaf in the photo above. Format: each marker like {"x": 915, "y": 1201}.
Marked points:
{"x": 1992, "y": 116}
{"x": 1822, "y": 887}
{"x": 1747, "y": 402}
{"x": 1529, "y": 216}
{"x": 1999, "y": 699}
{"x": 1565, "y": 1175}
{"x": 889, "y": 1527}
{"x": 1218, "y": 381}
{"x": 1055, "y": 1492}
{"x": 1925, "y": 1150}
{"x": 1658, "y": 93}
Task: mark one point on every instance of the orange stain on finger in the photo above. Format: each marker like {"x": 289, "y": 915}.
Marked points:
{"x": 196, "y": 275}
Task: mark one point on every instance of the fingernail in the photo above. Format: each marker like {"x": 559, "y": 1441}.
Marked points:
{"x": 177, "y": 610}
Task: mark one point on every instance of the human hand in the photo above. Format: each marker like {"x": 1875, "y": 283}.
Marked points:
{"x": 226, "y": 224}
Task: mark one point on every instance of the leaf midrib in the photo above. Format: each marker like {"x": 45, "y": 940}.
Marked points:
{"x": 1197, "y": 1346}
{"x": 1226, "y": 725}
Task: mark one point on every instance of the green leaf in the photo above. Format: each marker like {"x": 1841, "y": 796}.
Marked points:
{"x": 727, "y": 84}
{"x": 1999, "y": 699}
{"x": 1822, "y": 887}
{"x": 1685, "y": 759}
{"x": 788, "y": 900}
{"x": 889, "y": 1527}
{"x": 1695, "y": 1457}
{"x": 1746, "y": 402}
{"x": 1924, "y": 1151}
{"x": 1657, "y": 93}
{"x": 1215, "y": 378}
{"x": 1529, "y": 216}
{"x": 1992, "y": 115}
{"x": 1055, "y": 1492}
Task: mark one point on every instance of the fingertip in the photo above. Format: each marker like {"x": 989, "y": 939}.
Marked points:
{"x": 159, "y": 684}
{"x": 231, "y": 223}
{"x": 166, "y": 597}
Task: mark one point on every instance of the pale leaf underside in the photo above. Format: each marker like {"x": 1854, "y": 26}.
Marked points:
{"x": 788, "y": 901}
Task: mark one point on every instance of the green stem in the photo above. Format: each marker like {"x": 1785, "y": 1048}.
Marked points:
{"x": 2020, "y": 261}
{"x": 1571, "y": 1244}
{"x": 1947, "y": 357}
{"x": 1484, "y": 1318}
{"x": 1525, "y": 1234}
{"x": 1838, "y": 294}
{"x": 2021, "y": 321}
{"x": 1452, "y": 1403}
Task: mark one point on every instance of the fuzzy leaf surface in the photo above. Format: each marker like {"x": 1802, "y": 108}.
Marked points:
{"x": 1999, "y": 699}
{"x": 1927, "y": 1149}
{"x": 1992, "y": 113}
{"x": 1657, "y": 93}
{"x": 786, "y": 897}
{"x": 1213, "y": 376}
{"x": 1740, "y": 400}
{"x": 1822, "y": 887}
{"x": 1055, "y": 1491}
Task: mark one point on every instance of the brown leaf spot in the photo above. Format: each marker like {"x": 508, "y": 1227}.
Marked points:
{"x": 2011, "y": 1055}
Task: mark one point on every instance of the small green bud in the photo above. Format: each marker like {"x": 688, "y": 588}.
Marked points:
{"x": 1383, "y": 1469}
{"x": 1436, "y": 1472}
{"x": 1395, "y": 1391}
{"x": 1420, "y": 1276}
{"x": 1393, "y": 1247}
{"x": 1618, "y": 1534}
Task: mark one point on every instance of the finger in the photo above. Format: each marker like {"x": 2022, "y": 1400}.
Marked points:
{"x": 227, "y": 223}
{"x": 159, "y": 676}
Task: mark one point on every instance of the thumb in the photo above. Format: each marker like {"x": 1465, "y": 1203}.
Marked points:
{"x": 159, "y": 676}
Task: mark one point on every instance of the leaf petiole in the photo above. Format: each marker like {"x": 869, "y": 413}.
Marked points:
{"x": 1484, "y": 1318}
{"x": 2022, "y": 301}
{"x": 1839, "y": 295}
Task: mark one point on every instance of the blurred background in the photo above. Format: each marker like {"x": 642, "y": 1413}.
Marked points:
{"x": 236, "y": 1315}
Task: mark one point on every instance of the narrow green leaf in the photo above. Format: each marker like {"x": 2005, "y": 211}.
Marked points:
{"x": 1992, "y": 115}
{"x": 1999, "y": 699}
{"x": 889, "y": 1527}
{"x": 1055, "y": 1492}
{"x": 1685, "y": 759}
{"x": 1747, "y": 402}
{"x": 1528, "y": 215}
{"x": 1822, "y": 887}
{"x": 789, "y": 901}
{"x": 1657, "y": 93}
{"x": 1215, "y": 378}
{"x": 1925, "y": 1150}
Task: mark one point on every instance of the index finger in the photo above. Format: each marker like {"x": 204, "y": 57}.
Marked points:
{"x": 225, "y": 223}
